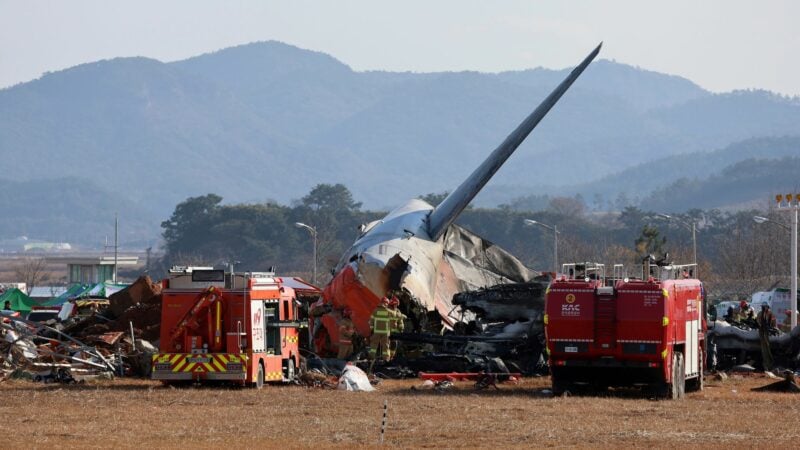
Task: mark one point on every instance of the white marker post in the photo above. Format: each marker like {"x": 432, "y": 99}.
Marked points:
{"x": 383, "y": 422}
{"x": 133, "y": 337}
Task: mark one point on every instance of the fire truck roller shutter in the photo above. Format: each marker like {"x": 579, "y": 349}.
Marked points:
{"x": 691, "y": 349}
{"x": 257, "y": 323}
{"x": 273, "y": 333}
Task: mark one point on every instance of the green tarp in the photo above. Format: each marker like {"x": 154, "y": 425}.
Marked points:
{"x": 72, "y": 292}
{"x": 19, "y": 301}
{"x": 101, "y": 290}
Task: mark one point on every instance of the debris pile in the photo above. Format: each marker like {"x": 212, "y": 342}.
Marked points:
{"x": 315, "y": 378}
{"x": 107, "y": 342}
{"x": 43, "y": 353}
{"x": 138, "y": 304}
{"x": 505, "y": 302}
{"x": 501, "y": 330}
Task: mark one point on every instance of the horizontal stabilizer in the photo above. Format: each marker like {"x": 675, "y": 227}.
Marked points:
{"x": 447, "y": 211}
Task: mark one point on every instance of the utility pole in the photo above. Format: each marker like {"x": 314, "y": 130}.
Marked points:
{"x": 116, "y": 247}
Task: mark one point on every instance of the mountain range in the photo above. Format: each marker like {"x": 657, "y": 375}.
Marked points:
{"x": 269, "y": 121}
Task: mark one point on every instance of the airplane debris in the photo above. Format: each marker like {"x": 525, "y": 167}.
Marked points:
{"x": 315, "y": 378}
{"x": 736, "y": 345}
{"x": 419, "y": 251}
{"x": 506, "y": 302}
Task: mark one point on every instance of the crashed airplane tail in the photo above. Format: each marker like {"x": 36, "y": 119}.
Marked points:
{"x": 410, "y": 250}
{"x": 447, "y": 212}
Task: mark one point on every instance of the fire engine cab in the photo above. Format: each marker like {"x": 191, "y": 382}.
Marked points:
{"x": 235, "y": 327}
{"x": 618, "y": 331}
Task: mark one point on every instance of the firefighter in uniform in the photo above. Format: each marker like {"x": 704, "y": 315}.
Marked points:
{"x": 746, "y": 313}
{"x": 346, "y": 332}
{"x": 380, "y": 323}
{"x": 397, "y": 324}
{"x": 766, "y": 321}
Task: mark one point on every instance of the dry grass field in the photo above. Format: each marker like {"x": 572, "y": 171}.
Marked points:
{"x": 139, "y": 413}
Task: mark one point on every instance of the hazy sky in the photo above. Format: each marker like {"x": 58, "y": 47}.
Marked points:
{"x": 721, "y": 45}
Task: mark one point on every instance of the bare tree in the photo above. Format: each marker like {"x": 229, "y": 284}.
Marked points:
{"x": 576, "y": 250}
{"x": 751, "y": 260}
{"x": 31, "y": 272}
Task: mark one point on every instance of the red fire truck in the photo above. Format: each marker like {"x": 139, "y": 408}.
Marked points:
{"x": 621, "y": 332}
{"x": 235, "y": 327}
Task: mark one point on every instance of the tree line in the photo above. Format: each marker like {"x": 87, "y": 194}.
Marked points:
{"x": 736, "y": 256}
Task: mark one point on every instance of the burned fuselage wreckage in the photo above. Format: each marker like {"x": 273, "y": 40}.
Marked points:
{"x": 418, "y": 254}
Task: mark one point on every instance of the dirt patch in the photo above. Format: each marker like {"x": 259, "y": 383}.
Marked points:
{"x": 141, "y": 413}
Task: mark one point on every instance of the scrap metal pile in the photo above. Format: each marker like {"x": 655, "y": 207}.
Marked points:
{"x": 106, "y": 342}
{"x": 42, "y": 353}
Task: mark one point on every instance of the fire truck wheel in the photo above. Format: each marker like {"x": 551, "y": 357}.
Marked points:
{"x": 558, "y": 383}
{"x": 290, "y": 370}
{"x": 558, "y": 387}
{"x": 260, "y": 376}
{"x": 674, "y": 389}
{"x": 680, "y": 376}
{"x": 701, "y": 380}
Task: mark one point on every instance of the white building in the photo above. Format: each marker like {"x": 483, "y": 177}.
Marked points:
{"x": 93, "y": 269}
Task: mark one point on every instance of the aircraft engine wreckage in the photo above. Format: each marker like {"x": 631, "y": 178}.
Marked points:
{"x": 418, "y": 253}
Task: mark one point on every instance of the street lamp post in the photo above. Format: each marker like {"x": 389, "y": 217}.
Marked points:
{"x": 313, "y": 232}
{"x": 760, "y": 219}
{"x": 554, "y": 229}
{"x": 790, "y": 203}
{"x": 690, "y": 226}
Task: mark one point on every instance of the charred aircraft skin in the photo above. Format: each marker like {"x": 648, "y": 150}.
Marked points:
{"x": 407, "y": 250}
{"x": 508, "y": 302}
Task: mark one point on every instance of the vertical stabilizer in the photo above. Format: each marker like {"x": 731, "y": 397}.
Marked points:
{"x": 447, "y": 212}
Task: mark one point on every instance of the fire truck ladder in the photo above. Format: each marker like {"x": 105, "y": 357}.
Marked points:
{"x": 205, "y": 301}
{"x": 605, "y": 318}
